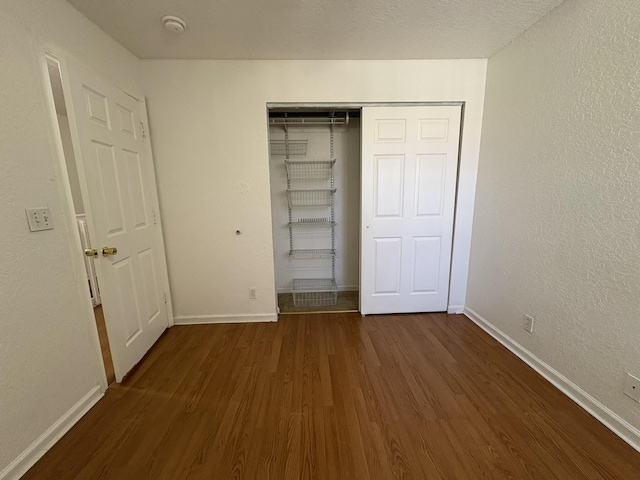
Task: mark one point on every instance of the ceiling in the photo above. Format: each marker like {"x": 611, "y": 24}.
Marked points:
{"x": 317, "y": 29}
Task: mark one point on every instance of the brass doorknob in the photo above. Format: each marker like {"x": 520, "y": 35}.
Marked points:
{"x": 106, "y": 251}
{"x": 91, "y": 252}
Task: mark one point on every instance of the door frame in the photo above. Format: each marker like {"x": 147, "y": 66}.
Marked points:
{"x": 360, "y": 105}
{"x": 54, "y": 54}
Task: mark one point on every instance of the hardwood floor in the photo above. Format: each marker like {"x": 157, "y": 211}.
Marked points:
{"x": 104, "y": 344}
{"x": 336, "y": 397}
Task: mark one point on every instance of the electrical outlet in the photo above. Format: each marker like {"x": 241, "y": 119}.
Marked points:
{"x": 252, "y": 293}
{"x": 39, "y": 219}
{"x": 528, "y": 323}
{"x": 632, "y": 387}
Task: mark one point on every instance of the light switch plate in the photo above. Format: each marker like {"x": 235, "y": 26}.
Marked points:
{"x": 39, "y": 219}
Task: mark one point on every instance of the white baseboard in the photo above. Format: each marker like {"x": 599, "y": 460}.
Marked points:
{"x": 455, "y": 309}
{"x": 37, "y": 449}
{"x": 607, "y": 417}
{"x": 207, "y": 319}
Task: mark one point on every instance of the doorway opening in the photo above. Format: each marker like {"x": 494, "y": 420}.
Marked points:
{"x": 314, "y": 167}
{"x": 93, "y": 287}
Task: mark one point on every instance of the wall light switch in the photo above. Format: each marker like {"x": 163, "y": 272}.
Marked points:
{"x": 39, "y": 219}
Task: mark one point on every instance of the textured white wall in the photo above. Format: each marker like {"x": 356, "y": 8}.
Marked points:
{"x": 210, "y": 137}
{"x": 49, "y": 357}
{"x": 557, "y": 225}
{"x": 347, "y": 208}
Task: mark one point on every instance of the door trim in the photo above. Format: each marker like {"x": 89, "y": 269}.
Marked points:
{"x": 348, "y": 106}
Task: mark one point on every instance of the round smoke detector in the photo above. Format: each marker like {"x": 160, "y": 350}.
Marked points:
{"x": 174, "y": 24}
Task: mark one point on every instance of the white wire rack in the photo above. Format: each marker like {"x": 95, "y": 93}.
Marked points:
{"x": 311, "y": 198}
{"x": 297, "y": 148}
{"x": 310, "y": 185}
{"x": 313, "y": 222}
{"x": 311, "y": 253}
{"x": 314, "y": 292}
{"x": 293, "y": 121}
{"x": 309, "y": 169}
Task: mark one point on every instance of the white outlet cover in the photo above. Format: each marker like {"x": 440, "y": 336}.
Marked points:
{"x": 632, "y": 387}
{"x": 528, "y": 323}
{"x": 39, "y": 219}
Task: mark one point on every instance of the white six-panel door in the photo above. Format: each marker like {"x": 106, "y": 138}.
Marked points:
{"x": 119, "y": 192}
{"x": 409, "y": 170}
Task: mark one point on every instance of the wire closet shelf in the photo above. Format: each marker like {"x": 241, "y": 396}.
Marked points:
{"x": 296, "y": 148}
{"x": 310, "y": 169}
{"x": 302, "y": 121}
{"x": 312, "y": 222}
{"x": 312, "y": 253}
{"x": 310, "y": 184}
{"x": 311, "y": 198}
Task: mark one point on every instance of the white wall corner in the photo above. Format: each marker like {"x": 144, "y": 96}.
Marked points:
{"x": 55, "y": 432}
{"x": 603, "y": 414}
{"x": 211, "y": 319}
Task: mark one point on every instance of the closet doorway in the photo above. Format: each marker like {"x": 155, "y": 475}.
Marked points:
{"x": 314, "y": 164}
{"x": 363, "y": 206}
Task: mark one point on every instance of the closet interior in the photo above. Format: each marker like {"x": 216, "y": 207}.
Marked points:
{"x": 314, "y": 163}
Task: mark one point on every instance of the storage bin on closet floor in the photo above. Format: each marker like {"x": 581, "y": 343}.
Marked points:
{"x": 314, "y": 292}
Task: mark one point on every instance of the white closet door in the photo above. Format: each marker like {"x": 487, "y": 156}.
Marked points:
{"x": 409, "y": 169}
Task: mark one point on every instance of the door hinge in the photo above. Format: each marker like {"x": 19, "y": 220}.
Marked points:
{"x": 155, "y": 217}
{"x": 144, "y": 129}
{"x": 165, "y": 299}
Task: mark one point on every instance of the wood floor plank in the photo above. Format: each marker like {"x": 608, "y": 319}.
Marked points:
{"x": 104, "y": 344}
{"x": 336, "y": 396}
